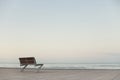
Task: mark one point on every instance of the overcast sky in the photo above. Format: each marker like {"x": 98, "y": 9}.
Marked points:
{"x": 60, "y": 31}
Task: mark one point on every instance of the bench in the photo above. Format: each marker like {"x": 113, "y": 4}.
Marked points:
{"x": 25, "y": 61}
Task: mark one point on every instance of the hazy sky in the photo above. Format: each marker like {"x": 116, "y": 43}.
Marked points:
{"x": 62, "y": 31}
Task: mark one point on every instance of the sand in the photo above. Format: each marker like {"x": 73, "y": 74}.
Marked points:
{"x": 31, "y": 74}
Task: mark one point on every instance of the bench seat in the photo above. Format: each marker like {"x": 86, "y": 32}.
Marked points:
{"x": 25, "y": 61}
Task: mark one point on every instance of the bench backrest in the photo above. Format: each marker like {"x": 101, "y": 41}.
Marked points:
{"x": 27, "y": 60}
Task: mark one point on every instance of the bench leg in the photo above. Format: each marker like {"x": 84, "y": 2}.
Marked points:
{"x": 39, "y": 67}
{"x": 24, "y": 68}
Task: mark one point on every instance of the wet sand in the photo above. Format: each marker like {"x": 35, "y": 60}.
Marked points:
{"x": 31, "y": 74}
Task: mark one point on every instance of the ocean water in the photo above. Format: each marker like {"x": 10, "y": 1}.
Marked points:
{"x": 68, "y": 66}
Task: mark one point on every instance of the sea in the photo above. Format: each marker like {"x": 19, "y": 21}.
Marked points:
{"x": 66, "y": 66}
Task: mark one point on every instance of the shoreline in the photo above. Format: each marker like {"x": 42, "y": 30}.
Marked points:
{"x": 54, "y": 69}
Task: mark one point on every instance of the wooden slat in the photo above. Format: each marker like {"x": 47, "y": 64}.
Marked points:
{"x": 27, "y": 60}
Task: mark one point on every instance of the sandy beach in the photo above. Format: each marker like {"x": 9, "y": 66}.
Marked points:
{"x": 30, "y": 74}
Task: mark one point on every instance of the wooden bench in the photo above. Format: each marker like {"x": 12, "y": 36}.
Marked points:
{"x": 25, "y": 61}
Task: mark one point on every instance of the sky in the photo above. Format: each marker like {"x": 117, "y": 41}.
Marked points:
{"x": 60, "y": 31}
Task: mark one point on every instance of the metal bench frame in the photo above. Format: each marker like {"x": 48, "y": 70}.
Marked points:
{"x": 25, "y": 61}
